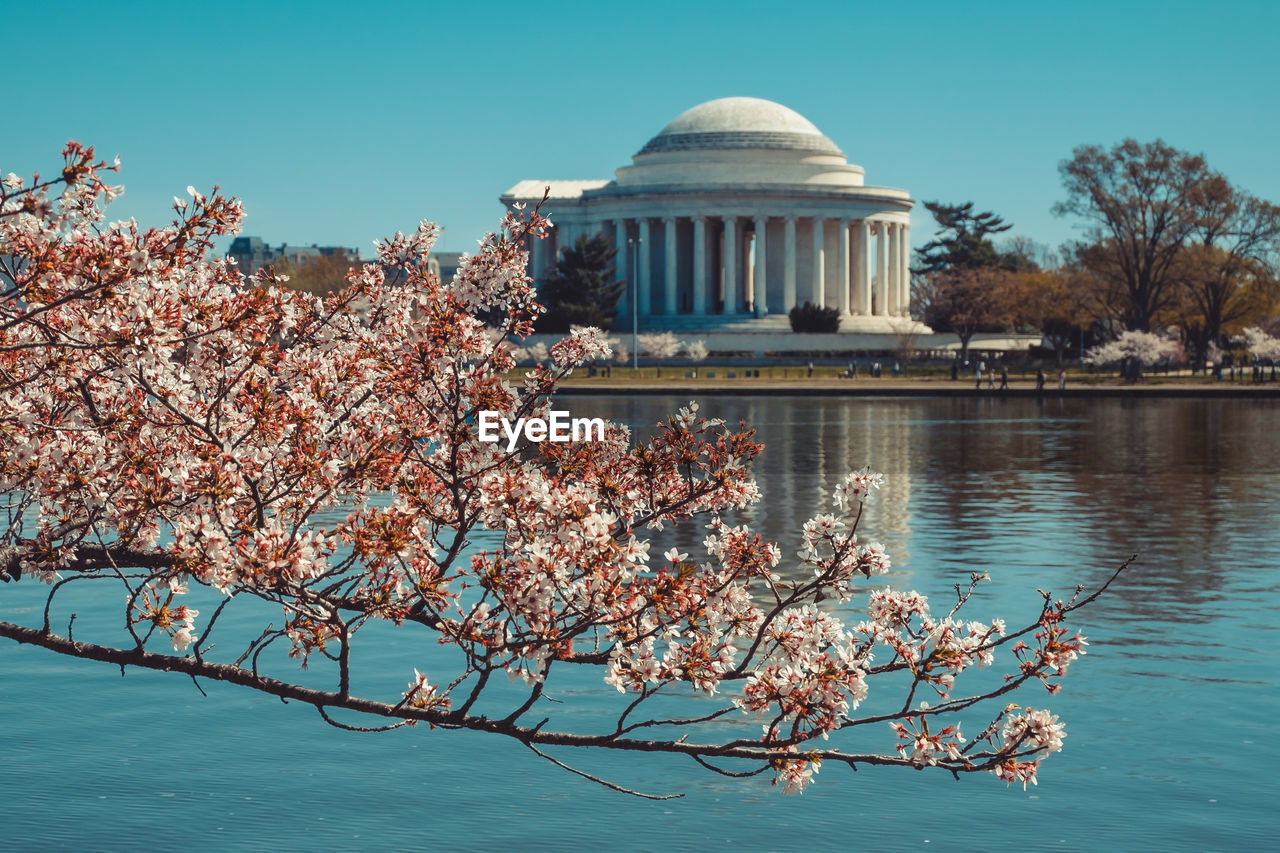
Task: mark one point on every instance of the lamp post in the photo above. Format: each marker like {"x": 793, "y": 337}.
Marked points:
{"x": 635, "y": 244}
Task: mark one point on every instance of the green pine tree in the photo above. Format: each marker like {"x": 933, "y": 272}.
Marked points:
{"x": 965, "y": 241}
{"x": 584, "y": 290}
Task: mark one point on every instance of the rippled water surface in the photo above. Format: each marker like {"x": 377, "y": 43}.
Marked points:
{"x": 1169, "y": 717}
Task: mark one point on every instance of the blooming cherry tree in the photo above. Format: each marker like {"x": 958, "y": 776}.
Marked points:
{"x": 183, "y": 432}
{"x": 1142, "y": 347}
{"x": 1262, "y": 345}
{"x": 659, "y": 345}
{"x": 695, "y": 351}
{"x": 536, "y": 353}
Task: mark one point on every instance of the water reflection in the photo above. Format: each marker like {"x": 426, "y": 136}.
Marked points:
{"x": 1069, "y": 486}
{"x": 810, "y": 445}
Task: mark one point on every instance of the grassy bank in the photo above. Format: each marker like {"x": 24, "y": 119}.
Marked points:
{"x": 826, "y": 380}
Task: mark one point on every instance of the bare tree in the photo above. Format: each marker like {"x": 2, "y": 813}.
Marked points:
{"x": 1229, "y": 276}
{"x": 1144, "y": 204}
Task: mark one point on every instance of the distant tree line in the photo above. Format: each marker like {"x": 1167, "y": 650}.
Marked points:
{"x": 1170, "y": 247}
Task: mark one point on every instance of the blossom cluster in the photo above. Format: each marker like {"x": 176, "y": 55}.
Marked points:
{"x": 922, "y": 747}
{"x": 178, "y": 622}
{"x": 1034, "y": 733}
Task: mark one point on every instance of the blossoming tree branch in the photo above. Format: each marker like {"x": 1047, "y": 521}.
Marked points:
{"x": 179, "y": 432}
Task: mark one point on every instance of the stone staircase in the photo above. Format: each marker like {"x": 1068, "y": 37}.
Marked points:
{"x": 684, "y": 323}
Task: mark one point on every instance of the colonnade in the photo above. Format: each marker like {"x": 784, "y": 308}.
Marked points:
{"x": 752, "y": 265}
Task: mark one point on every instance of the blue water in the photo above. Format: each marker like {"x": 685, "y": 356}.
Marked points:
{"x": 1169, "y": 716}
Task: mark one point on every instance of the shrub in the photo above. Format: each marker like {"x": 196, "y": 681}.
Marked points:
{"x": 814, "y": 318}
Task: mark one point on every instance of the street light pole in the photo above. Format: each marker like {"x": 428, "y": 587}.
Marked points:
{"x": 635, "y": 243}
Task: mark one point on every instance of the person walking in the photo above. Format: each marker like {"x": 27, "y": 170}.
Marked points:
{"x": 1004, "y": 378}
{"x": 1040, "y": 378}
{"x": 1062, "y": 380}
{"x": 991, "y": 379}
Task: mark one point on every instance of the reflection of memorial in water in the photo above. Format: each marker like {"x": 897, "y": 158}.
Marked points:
{"x": 810, "y": 445}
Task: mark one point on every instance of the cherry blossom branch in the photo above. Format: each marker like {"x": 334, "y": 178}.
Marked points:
{"x": 330, "y": 699}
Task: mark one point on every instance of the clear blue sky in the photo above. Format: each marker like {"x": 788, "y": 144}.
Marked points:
{"x": 338, "y": 123}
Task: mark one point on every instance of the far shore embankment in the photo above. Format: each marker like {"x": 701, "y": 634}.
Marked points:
{"x": 677, "y": 383}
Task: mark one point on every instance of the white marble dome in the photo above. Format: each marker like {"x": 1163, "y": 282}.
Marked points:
{"x": 737, "y": 123}
{"x": 736, "y": 141}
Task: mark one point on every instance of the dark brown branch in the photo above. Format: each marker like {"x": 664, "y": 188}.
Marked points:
{"x": 736, "y": 775}
{"x": 346, "y": 728}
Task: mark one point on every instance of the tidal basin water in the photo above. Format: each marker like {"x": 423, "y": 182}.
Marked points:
{"x": 1170, "y": 717}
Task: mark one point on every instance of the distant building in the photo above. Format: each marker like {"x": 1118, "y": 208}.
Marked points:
{"x": 252, "y": 254}
{"x": 444, "y": 264}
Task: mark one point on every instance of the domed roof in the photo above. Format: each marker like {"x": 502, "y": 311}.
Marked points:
{"x": 728, "y": 123}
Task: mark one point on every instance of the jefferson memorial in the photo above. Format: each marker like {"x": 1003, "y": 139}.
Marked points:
{"x": 737, "y": 210}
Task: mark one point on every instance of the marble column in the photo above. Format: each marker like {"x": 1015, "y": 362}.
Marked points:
{"x": 730, "y": 265}
{"x": 621, "y": 263}
{"x": 646, "y": 299}
{"x": 700, "y": 266}
{"x": 882, "y": 251}
{"x": 567, "y": 233}
{"x": 842, "y": 276}
{"x": 904, "y": 297}
{"x": 862, "y": 287}
{"x": 760, "y": 277}
{"x": 549, "y": 250}
{"x": 819, "y": 263}
{"x": 541, "y": 247}
{"x": 669, "y": 268}
{"x": 789, "y": 264}
{"x": 895, "y": 268}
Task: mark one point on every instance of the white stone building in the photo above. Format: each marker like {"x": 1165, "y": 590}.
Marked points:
{"x": 738, "y": 209}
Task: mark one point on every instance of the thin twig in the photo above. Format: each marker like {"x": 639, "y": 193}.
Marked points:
{"x": 599, "y": 781}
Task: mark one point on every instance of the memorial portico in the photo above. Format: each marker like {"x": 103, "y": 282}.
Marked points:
{"x": 738, "y": 209}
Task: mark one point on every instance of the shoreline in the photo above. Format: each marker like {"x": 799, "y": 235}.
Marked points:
{"x": 924, "y": 387}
